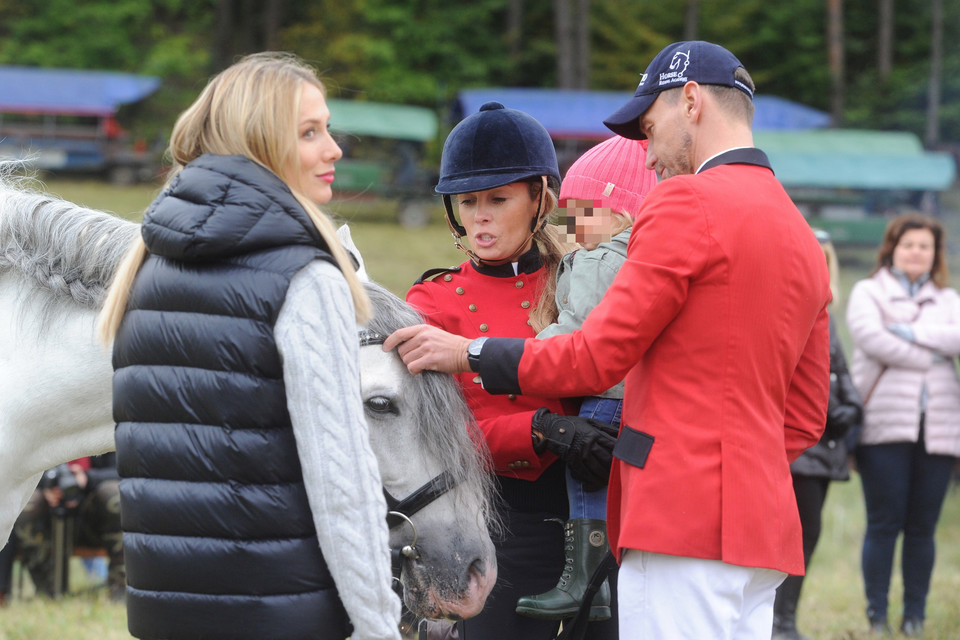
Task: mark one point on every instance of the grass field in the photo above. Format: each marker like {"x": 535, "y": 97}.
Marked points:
{"x": 832, "y": 606}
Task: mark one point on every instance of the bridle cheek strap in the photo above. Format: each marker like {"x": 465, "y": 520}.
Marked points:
{"x": 418, "y": 499}
{"x": 399, "y": 512}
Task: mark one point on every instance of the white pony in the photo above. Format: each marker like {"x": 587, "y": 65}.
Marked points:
{"x": 56, "y": 260}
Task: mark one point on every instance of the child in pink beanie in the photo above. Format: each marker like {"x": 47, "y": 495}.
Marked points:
{"x": 601, "y": 195}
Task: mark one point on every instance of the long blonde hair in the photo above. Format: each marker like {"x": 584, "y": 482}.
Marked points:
{"x": 550, "y": 244}
{"x": 249, "y": 109}
{"x": 833, "y": 263}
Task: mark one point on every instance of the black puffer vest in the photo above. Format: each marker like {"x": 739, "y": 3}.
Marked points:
{"x": 218, "y": 535}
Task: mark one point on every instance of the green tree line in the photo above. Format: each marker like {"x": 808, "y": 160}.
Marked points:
{"x": 872, "y": 63}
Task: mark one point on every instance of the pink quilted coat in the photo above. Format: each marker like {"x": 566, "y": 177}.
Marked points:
{"x": 892, "y": 371}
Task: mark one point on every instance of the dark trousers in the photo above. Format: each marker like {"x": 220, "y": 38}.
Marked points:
{"x": 528, "y": 559}
{"x": 903, "y": 488}
{"x": 811, "y": 494}
{"x": 6, "y": 566}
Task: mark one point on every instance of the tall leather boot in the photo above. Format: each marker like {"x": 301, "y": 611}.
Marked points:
{"x": 585, "y": 544}
{"x": 785, "y": 610}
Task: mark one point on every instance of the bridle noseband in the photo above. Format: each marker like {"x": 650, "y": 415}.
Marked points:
{"x": 399, "y": 512}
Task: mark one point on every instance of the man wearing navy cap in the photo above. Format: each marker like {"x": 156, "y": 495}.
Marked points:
{"x": 718, "y": 320}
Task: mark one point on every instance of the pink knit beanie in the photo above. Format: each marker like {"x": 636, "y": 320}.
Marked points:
{"x": 611, "y": 173}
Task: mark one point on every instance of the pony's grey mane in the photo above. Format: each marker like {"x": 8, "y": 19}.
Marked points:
{"x": 441, "y": 406}
{"x": 66, "y": 250}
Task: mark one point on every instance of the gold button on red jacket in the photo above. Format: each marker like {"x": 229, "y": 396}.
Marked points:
{"x": 505, "y": 422}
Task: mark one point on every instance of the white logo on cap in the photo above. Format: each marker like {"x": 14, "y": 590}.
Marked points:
{"x": 679, "y": 58}
{"x": 643, "y": 78}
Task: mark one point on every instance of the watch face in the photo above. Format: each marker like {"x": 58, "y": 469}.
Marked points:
{"x": 473, "y": 353}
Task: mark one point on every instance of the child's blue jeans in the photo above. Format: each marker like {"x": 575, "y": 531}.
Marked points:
{"x": 592, "y": 504}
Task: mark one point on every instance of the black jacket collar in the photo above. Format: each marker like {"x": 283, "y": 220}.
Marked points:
{"x": 750, "y": 155}
{"x": 529, "y": 262}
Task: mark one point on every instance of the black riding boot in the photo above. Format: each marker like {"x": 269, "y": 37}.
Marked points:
{"x": 585, "y": 545}
{"x": 785, "y": 610}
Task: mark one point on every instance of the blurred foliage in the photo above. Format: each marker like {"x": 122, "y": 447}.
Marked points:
{"x": 424, "y": 51}
{"x": 411, "y": 52}
{"x": 166, "y": 38}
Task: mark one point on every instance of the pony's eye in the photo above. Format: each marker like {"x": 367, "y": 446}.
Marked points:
{"x": 381, "y": 405}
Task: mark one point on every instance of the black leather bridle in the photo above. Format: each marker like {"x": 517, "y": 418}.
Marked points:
{"x": 399, "y": 512}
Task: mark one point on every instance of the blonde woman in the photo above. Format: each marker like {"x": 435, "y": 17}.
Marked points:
{"x": 235, "y": 356}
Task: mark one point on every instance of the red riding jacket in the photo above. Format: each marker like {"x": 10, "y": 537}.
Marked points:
{"x": 718, "y": 319}
{"x": 469, "y": 303}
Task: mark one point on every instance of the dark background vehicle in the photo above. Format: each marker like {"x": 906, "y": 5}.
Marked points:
{"x": 65, "y": 121}
{"x": 384, "y": 152}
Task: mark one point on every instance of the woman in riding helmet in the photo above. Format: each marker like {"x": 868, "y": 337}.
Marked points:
{"x": 499, "y": 172}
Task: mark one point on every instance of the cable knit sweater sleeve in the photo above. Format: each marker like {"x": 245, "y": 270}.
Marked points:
{"x": 317, "y": 337}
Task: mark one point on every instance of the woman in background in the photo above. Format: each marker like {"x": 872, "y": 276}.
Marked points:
{"x": 822, "y": 463}
{"x": 905, "y": 325}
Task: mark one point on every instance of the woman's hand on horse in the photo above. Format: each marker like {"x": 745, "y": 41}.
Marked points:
{"x": 426, "y": 348}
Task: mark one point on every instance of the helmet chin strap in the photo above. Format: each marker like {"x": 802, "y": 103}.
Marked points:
{"x": 537, "y": 223}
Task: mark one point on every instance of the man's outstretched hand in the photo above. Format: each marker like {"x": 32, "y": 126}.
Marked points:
{"x": 426, "y": 348}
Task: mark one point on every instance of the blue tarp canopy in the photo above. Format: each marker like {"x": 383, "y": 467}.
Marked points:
{"x": 579, "y": 114}
{"x": 804, "y": 153}
{"x": 70, "y": 91}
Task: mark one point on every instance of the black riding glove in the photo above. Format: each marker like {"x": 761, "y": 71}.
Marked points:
{"x": 584, "y": 444}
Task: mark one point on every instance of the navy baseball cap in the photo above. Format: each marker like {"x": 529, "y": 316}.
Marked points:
{"x": 678, "y": 64}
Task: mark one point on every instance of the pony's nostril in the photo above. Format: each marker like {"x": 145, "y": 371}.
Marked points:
{"x": 481, "y": 576}
{"x": 478, "y": 566}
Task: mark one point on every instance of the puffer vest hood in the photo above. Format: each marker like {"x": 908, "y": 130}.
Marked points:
{"x": 218, "y": 534}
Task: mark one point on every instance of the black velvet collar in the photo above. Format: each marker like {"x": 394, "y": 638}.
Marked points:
{"x": 750, "y": 155}
{"x": 529, "y": 262}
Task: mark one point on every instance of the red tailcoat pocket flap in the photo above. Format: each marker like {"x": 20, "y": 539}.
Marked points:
{"x": 633, "y": 447}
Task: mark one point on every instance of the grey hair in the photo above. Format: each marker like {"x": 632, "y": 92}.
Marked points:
{"x": 66, "y": 250}
{"x": 441, "y": 407}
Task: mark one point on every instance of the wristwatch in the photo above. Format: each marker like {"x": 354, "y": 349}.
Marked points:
{"x": 473, "y": 353}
